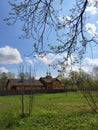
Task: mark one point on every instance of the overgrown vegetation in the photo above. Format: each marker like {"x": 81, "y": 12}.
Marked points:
{"x": 4, "y": 77}
{"x": 61, "y": 111}
{"x": 86, "y": 84}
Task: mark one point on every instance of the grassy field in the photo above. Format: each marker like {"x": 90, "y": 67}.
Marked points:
{"x": 62, "y": 111}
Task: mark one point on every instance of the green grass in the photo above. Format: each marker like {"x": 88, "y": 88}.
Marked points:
{"x": 63, "y": 111}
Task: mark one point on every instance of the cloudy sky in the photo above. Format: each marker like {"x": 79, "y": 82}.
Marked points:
{"x": 14, "y": 51}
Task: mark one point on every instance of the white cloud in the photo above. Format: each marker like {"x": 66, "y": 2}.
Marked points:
{"x": 87, "y": 65}
{"x": 3, "y": 69}
{"x": 50, "y": 58}
{"x": 91, "y": 29}
{"x": 92, "y": 9}
{"x": 55, "y": 61}
{"x": 92, "y": 1}
{"x": 91, "y": 62}
{"x": 9, "y": 55}
{"x": 47, "y": 59}
{"x": 28, "y": 60}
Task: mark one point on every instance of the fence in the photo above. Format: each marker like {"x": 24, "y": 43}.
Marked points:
{"x": 19, "y": 92}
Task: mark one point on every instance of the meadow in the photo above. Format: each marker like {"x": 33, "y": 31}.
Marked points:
{"x": 60, "y": 111}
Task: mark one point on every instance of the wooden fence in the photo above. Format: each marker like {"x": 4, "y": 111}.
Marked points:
{"x": 19, "y": 92}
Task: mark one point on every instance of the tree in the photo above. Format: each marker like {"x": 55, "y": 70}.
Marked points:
{"x": 10, "y": 75}
{"x": 85, "y": 85}
{"x": 22, "y": 75}
{"x": 4, "y": 77}
{"x": 38, "y": 16}
{"x": 95, "y": 72}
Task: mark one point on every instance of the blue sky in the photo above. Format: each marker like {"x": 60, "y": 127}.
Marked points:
{"x": 13, "y": 50}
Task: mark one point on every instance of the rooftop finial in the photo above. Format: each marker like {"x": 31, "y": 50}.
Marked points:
{"x": 47, "y": 73}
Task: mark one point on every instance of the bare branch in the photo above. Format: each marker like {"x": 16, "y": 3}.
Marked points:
{"x": 38, "y": 16}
